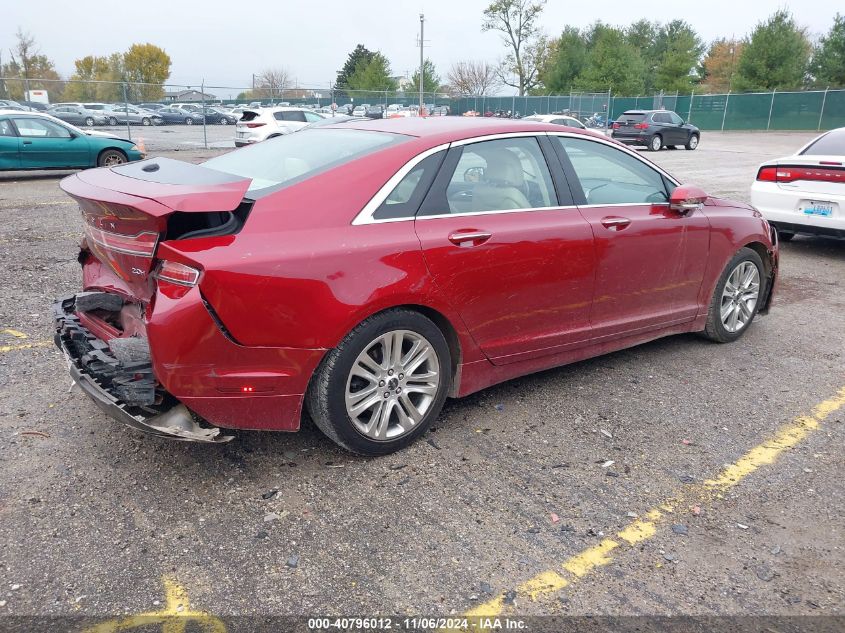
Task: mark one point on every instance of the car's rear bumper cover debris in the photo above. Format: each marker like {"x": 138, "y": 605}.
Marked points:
{"x": 126, "y": 391}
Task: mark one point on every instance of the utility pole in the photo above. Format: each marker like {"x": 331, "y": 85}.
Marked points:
{"x": 422, "y": 63}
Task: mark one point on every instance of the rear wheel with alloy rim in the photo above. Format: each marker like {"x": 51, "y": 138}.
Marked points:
{"x": 112, "y": 121}
{"x": 89, "y": 122}
{"x": 189, "y": 121}
{"x": 655, "y": 143}
{"x": 383, "y": 385}
{"x": 692, "y": 143}
{"x": 736, "y": 298}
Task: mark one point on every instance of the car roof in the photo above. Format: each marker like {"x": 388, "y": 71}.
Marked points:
{"x": 446, "y": 129}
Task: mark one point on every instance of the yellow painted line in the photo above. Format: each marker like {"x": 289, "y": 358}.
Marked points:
{"x": 13, "y": 333}
{"x": 173, "y": 618}
{"x": 585, "y": 562}
{"x": 14, "y": 348}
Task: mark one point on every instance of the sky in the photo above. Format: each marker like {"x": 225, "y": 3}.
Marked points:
{"x": 224, "y": 41}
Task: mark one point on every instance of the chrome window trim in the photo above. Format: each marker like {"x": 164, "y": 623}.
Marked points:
{"x": 622, "y": 148}
{"x": 473, "y": 213}
{"x": 365, "y": 216}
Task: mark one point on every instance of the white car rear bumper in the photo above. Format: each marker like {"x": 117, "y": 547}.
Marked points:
{"x": 798, "y": 210}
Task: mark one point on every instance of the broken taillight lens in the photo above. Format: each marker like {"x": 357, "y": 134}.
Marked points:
{"x": 142, "y": 244}
{"x": 177, "y": 273}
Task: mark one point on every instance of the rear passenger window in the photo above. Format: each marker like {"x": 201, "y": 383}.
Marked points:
{"x": 501, "y": 175}
{"x": 6, "y": 128}
{"x": 407, "y": 196}
{"x": 290, "y": 115}
{"x": 612, "y": 176}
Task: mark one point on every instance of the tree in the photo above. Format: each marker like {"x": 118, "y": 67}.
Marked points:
{"x": 431, "y": 81}
{"x": 372, "y": 78}
{"x": 678, "y": 49}
{"x": 271, "y": 83}
{"x": 33, "y": 70}
{"x": 612, "y": 64}
{"x": 81, "y": 86}
{"x": 146, "y": 67}
{"x": 643, "y": 36}
{"x": 565, "y": 61}
{"x": 828, "y": 66}
{"x": 359, "y": 54}
{"x": 719, "y": 65}
{"x": 776, "y": 55}
{"x": 472, "y": 78}
{"x": 516, "y": 20}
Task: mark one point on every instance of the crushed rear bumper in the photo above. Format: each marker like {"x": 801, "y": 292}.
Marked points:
{"x": 123, "y": 390}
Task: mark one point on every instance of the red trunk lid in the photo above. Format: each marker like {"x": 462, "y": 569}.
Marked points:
{"x": 125, "y": 210}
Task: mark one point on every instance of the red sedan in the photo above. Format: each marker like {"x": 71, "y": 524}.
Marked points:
{"x": 366, "y": 271}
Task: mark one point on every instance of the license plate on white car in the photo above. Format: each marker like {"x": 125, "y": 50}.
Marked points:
{"x": 815, "y": 207}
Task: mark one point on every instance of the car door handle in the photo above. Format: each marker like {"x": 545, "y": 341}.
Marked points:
{"x": 469, "y": 238}
{"x": 27, "y": 142}
{"x": 615, "y": 223}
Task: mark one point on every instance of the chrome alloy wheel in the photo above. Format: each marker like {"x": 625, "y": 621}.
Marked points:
{"x": 739, "y": 297}
{"x": 392, "y": 385}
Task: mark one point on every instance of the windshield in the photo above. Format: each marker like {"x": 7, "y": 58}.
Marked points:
{"x": 294, "y": 157}
{"x": 830, "y": 144}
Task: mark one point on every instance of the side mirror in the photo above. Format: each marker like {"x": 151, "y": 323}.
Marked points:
{"x": 686, "y": 199}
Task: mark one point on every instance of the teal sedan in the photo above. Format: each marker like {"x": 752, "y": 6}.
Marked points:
{"x": 31, "y": 140}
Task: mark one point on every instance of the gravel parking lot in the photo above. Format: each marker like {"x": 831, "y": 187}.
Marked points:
{"x": 641, "y": 483}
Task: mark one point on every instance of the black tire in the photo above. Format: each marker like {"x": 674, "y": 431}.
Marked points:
{"x": 714, "y": 329}
{"x": 111, "y": 157}
{"x": 89, "y": 122}
{"x": 189, "y": 121}
{"x": 692, "y": 142}
{"x": 655, "y": 143}
{"x": 145, "y": 121}
{"x": 112, "y": 121}
{"x": 223, "y": 121}
{"x": 325, "y": 399}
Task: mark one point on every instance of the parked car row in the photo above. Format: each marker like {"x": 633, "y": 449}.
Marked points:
{"x": 90, "y": 114}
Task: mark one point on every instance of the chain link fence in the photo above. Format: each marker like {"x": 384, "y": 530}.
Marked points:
{"x": 804, "y": 110}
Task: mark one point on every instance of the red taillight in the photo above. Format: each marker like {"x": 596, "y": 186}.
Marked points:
{"x": 793, "y": 174}
{"x": 142, "y": 245}
{"x": 177, "y": 273}
{"x": 615, "y": 126}
{"x": 767, "y": 174}
{"x": 641, "y": 126}
{"x": 253, "y": 124}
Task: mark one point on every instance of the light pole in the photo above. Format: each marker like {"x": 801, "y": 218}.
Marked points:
{"x": 422, "y": 63}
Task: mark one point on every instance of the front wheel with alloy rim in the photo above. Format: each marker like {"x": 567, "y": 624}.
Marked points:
{"x": 189, "y": 121}
{"x": 736, "y": 298}
{"x": 692, "y": 143}
{"x": 110, "y": 158}
{"x": 655, "y": 143}
{"x": 89, "y": 122}
{"x": 112, "y": 121}
{"x": 145, "y": 121}
{"x": 383, "y": 385}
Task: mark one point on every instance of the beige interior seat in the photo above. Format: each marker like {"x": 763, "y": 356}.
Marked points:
{"x": 503, "y": 184}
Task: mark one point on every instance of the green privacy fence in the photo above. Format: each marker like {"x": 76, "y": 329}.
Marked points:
{"x": 805, "y": 110}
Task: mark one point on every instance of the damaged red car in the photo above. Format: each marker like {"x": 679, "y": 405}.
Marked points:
{"x": 365, "y": 271}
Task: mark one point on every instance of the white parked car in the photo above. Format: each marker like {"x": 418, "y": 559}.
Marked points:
{"x": 556, "y": 119}
{"x": 805, "y": 192}
{"x": 259, "y": 125}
